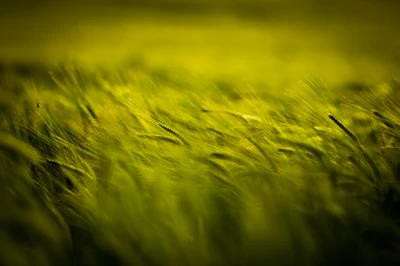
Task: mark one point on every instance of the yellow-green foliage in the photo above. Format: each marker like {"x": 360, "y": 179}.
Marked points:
{"x": 105, "y": 171}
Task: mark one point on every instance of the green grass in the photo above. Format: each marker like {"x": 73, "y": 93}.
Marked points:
{"x": 208, "y": 134}
{"x": 120, "y": 168}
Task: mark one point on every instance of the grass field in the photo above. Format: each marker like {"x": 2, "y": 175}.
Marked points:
{"x": 203, "y": 139}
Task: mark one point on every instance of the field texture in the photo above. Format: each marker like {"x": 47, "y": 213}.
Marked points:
{"x": 199, "y": 137}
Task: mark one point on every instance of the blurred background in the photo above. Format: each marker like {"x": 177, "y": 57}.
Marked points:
{"x": 275, "y": 41}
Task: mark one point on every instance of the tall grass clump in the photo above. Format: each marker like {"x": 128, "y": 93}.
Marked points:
{"x": 106, "y": 172}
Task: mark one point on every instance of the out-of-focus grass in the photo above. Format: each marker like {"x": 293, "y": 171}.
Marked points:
{"x": 279, "y": 50}
{"x": 187, "y": 139}
{"x": 122, "y": 168}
